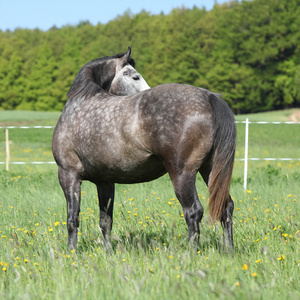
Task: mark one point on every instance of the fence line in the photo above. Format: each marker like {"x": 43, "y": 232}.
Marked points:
{"x": 264, "y": 122}
{"x": 245, "y": 159}
{"x": 267, "y": 159}
{"x": 28, "y": 162}
{"x": 24, "y": 127}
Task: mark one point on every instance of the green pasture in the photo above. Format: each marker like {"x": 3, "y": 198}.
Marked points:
{"x": 150, "y": 257}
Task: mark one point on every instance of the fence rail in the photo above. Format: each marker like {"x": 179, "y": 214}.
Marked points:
{"x": 28, "y": 162}
{"x": 24, "y": 127}
{"x": 245, "y": 159}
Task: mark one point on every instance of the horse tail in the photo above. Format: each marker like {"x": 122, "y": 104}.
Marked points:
{"x": 222, "y": 157}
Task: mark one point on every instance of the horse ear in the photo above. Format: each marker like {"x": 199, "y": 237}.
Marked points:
{"x": 129, "y": 51}
{"x": 127, "y": 56}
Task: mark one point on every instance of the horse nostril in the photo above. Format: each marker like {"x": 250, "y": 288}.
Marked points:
{"x": 136, "y": 77}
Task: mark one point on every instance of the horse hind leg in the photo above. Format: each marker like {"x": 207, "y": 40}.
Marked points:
{"x": 226, "y": 221}
{"x": 106, "y": 193}
{"x": 186, "y": 193}
{"x": 71, "y": 185}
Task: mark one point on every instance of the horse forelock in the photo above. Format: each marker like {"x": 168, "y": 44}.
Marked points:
{"x": 96, "y": 76}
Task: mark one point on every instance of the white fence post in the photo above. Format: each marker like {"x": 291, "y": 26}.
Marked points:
{"x": 7, "y": 149}
{"x": 246, "y": 153}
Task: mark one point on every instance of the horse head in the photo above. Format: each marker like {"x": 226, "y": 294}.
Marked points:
{"x": 115, "y": 74}
{"x": 127, "y": 80}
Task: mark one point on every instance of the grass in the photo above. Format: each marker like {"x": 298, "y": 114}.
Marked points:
{"x": 150, "y": 257}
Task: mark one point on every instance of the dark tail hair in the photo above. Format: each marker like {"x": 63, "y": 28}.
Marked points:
{"x": 223, "y": 156}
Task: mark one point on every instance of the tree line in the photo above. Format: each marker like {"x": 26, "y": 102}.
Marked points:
{"x": 248, "y": 51}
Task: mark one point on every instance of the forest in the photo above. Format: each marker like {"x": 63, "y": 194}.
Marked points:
{"x": 248, "y": 51}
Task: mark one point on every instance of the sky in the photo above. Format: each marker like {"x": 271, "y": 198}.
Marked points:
{"x": 44, "y": 14}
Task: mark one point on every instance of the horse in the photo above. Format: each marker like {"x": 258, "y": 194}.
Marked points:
{"x": 114, "y": 128}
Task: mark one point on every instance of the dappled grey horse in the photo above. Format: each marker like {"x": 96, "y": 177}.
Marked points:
{"x": 139, "y": 136}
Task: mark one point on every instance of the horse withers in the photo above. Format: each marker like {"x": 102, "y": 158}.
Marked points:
{"x": 139, "y": 136}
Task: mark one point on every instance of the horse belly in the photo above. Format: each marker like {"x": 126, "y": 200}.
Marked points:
{"x": 125, "y": 170}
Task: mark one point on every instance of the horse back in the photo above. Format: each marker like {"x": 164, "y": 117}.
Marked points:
{"x": 175, "y": 114}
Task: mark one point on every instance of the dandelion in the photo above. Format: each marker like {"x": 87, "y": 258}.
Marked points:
{"x": 249, "y": 192}
{"x": 254, "y": 274}
{"x": 124, "y": 260}
{"x": 258, "y": 261}
{"x": 237, "y": 283}
{"x": 26, "y": 260}
{"x": 171, "y": 256}
{"x": 281, "y": 258}
{"x": 245, "y": 267}
{"x": 4, "y": 269}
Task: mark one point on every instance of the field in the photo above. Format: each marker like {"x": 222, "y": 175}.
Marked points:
{"x": 150, "y": 257}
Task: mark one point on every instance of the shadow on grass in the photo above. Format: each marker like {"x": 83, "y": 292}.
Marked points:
{"x": 163, "y": 238}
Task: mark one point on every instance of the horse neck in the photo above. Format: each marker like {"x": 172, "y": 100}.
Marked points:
{"x": 93, "y": 78}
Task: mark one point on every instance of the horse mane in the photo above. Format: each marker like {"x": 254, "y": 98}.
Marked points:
{"x": 95, "y": 76}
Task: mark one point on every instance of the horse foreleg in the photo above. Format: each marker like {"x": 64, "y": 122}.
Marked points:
{"x": 185, "y": 190}
{"x": 71, "y": 185}
{"x": 226, "y": 222}
{"x": 106, "y": 194}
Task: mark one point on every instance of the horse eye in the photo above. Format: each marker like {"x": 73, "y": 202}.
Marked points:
{"x": 136, "y": 77}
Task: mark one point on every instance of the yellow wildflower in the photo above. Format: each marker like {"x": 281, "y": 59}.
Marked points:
{"x": 281, "y": 258}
